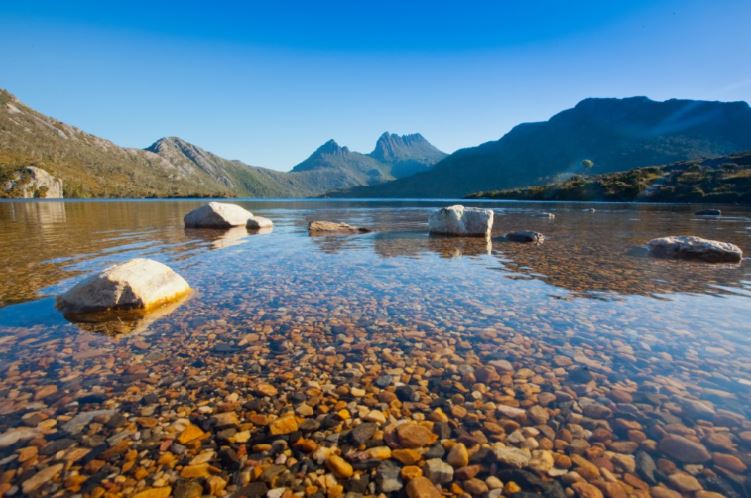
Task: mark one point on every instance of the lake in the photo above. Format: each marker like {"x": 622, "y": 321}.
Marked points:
{"x": 331, "y": 364}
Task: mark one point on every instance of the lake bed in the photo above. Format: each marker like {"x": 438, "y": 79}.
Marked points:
{"x": 331, "y": 364}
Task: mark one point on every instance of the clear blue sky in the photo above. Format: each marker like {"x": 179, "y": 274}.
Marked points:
{"x": 267, "y": 82}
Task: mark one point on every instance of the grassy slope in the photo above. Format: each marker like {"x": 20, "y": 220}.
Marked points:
{"x": 719, "y": 180}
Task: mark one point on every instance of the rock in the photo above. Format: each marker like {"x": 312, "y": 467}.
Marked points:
{"x": 283, "y": 425}
{"x": 32, "y": 182}
{"x": 258, "y": 223}
{"x": 421, "y": 487}
{"x": 683, "y": 449}
{"x": 139, "y": 284}
{"x": 81, "y": 420}
{"x": 708, "y": 212}
{"x": 387, "y": 477}
{"x": 13, "y": 436}
{"x": 512, "y": 457}
{"x": 458, "y": 456}
{"x": 438, "y": 471}
{"x": 363, "y": 432}
{"x": 162, "y": 492}
{"x": 40, "y": 478}
{"x": 730, "y": 462}
{"x": 185, "y": 488}
{"x": 217, "y": 215}
{"x": 191, "y": 433}
{"x": 526, "y": 236}
{"x": 586, "y": 490}
{"x": 475, "y": 487}
{"x": 319, "y": 227}
{"x": 339, "y": 466}
{"x": 461, "y": 221}
{"x": 646, "y": 467}
{"x": 412, "y": 435}
{"x": 696, "y": 248}
{"x": 684, "y": 482}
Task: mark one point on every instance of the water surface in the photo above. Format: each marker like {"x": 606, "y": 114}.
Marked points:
{"x": 584, "y": 312}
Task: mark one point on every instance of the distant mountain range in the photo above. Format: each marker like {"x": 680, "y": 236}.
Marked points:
{"x": 596, "y": 136}
{"x": 614, "y": 134}
{"x": 91, "y": 166}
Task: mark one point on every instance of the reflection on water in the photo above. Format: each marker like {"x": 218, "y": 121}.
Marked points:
{"x": 661, "y": 346}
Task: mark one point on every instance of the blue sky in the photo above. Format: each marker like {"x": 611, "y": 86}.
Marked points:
{"x": 268, "y": 82}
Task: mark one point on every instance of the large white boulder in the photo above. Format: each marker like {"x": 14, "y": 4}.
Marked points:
{"x": 691, "y": 247}
{"x": 217, "y": 215}
{"x": 461, "y": 221}
{"x": 137, "y": 285}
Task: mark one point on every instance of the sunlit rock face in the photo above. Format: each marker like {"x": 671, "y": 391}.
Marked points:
{"x": 138, "y": 285}
{"x": 217, "y": 215}
{"x": 461, "y": 221}
{"x": 32, "y": 182}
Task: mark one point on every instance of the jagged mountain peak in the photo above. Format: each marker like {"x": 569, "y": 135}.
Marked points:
{"x": 394, "y": 148}
{"x": 331, "y": 147}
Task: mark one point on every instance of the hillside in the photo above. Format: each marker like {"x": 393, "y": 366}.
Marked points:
{"x": 615, "y": 134}
{"x": 90, "y": 166}
{"x": 719, "y": 180}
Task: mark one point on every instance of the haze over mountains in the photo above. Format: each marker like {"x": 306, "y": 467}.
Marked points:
{"x": 94, "y": 167}
{"x": 616, "y": 134}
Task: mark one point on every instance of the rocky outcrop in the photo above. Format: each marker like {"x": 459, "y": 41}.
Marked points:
{"x": 318, "y": 227}
{"x": 217, "y": 215}
{"x": 461, "y": 221}
{"x": 137, "y": 285}
{"x": 259, "y": 223}
{"x": 526, "y": 236}
{"x": 32, "y": 182}
{"x": 696, "y": 248}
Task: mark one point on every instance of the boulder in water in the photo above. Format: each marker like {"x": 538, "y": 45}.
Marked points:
{"x": 691, "y": 247}
{"x": 461, "y": 221}
{"x": 258, "y": 223}
{"x": 319, "y": 227}
{"x": 217, "y": 215}
{"x": 708, "y": 212}
{"x": 137, "y": 285}
{"x": 526, "y": 236}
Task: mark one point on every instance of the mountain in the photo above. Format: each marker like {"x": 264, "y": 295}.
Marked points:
{"x": 87, "y": 164}
{"x": 235, "y": 176}
{"x": 395, "y": 156}
{"x": 338, "y": 167}
{"x": 406, "y": 154}
{"x": 725, "y": 179}
{"x": 90, "y": 166}
{"x": 615, "y": 134}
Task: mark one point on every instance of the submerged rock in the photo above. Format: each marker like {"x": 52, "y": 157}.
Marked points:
{"x": 258, "y": 223}
{"x": 217, "y": 215}
{"x": 691, "y": 247}
{"x": 708, "y": 212}
{"x": 526, "y": 236}
{"x": 319, "y": 227}
{"x": 461, "y": 221}
{"x": 137, "y": 285}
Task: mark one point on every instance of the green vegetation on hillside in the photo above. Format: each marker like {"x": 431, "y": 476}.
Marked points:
{"x": 719, "y": 180}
